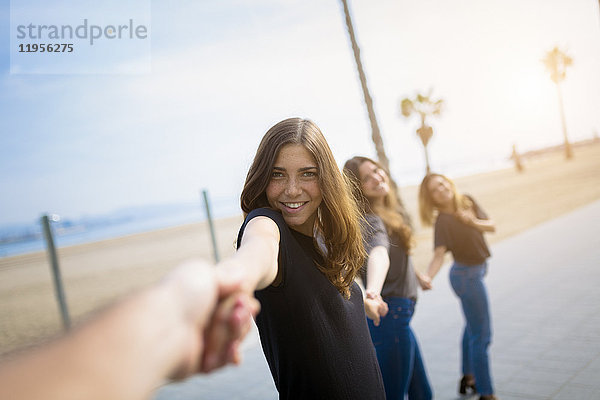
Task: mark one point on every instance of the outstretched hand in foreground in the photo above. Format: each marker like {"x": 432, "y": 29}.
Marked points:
{"x": 187, "y": 323}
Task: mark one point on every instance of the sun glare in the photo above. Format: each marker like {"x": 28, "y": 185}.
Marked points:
{"x": 533, "y": 88}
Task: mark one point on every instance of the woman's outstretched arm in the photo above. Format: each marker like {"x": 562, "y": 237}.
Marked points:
{"x": 255, "y": 262}
{"x": 436, "y": 262}
{"x": 378, "y": 265}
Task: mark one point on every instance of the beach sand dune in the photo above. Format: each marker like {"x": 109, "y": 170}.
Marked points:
{"x": 95, "y": 274}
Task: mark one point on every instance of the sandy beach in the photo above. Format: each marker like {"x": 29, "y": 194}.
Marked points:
{"x": 96, "y": 273}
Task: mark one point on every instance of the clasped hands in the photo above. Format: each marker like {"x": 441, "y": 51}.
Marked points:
{"x": 375, "y": 307}
{"x": 424, "y": 281}
{"x": 217, "y": 311}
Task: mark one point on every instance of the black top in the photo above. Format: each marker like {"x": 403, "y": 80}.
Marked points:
{"x": 466, "y": 243}
{"x": 316, "y": 343}
{"x": 400, "y": 280}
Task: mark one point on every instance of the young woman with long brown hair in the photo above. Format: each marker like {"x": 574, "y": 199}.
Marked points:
{"x": 459, "y": 226}
{"x": 300, "y": 248}
{"x": 390, "y": 274}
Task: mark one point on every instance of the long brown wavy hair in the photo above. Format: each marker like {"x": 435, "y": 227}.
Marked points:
{"x": 391, "y": 212}
{"x": 428, "y": 210}
{"x": 338, "y": 217}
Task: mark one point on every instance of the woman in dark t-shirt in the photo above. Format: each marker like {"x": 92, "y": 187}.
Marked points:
{"x": 459, "y": 228}
{"x": 299, "y": 249}
{"x": 389, "y": 273}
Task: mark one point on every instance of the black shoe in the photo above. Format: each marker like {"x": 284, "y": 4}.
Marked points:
{"x": 467, "y": 382}
{"x": 488, "y": 397}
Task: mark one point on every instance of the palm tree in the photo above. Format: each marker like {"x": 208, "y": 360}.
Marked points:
{"x": 375, "y": 134}
{"x": 424, "y": 106}
{"x": 556, "y": 62}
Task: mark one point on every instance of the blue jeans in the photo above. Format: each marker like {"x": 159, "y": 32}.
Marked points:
{"x": 398, "y": 353}
{"x": 467, "y": 282}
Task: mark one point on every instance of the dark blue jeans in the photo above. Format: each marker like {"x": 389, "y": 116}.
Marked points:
{"x": 398, "y": 353}
{"x": 467, "y": 282}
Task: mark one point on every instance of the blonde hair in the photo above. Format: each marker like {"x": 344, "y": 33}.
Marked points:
{"x": 391, "y": 213}
{"x": 428, "y": 210}
{"x": 338, "y": 216}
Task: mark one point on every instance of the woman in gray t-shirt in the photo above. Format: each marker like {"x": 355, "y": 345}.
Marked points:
{"x": 389, "y": 274}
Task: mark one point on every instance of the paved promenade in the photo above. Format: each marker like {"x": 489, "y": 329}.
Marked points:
{"x": 544, "y": 288}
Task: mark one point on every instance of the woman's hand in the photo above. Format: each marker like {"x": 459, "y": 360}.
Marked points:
{"x": 424, "y": 281}
{"x": 467, "y": 217}
{"x": 229, "y": 324}
{"x": 217, "y": 314}
{"x": 375, "y": 307}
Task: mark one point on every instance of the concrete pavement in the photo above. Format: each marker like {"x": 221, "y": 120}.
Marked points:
{"x": 545, "y": 301}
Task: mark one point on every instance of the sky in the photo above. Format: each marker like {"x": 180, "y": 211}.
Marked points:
{"x": 188, "y": 114}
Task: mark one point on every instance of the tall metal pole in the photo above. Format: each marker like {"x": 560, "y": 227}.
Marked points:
{"x": 210, "y": 225}
{"x": 58, "y": 286}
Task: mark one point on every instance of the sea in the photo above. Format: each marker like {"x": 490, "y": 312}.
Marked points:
{"x": 28, "y": 237}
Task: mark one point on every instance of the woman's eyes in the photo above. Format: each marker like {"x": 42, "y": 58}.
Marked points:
{"x": 305, "y": 174}
{"x": 369, "y": 178}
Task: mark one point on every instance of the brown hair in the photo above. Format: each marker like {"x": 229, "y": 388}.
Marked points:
{"x": 392, "y": 213}
{"x": 428, "y": 209}
{"x": 338, "y": 217}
